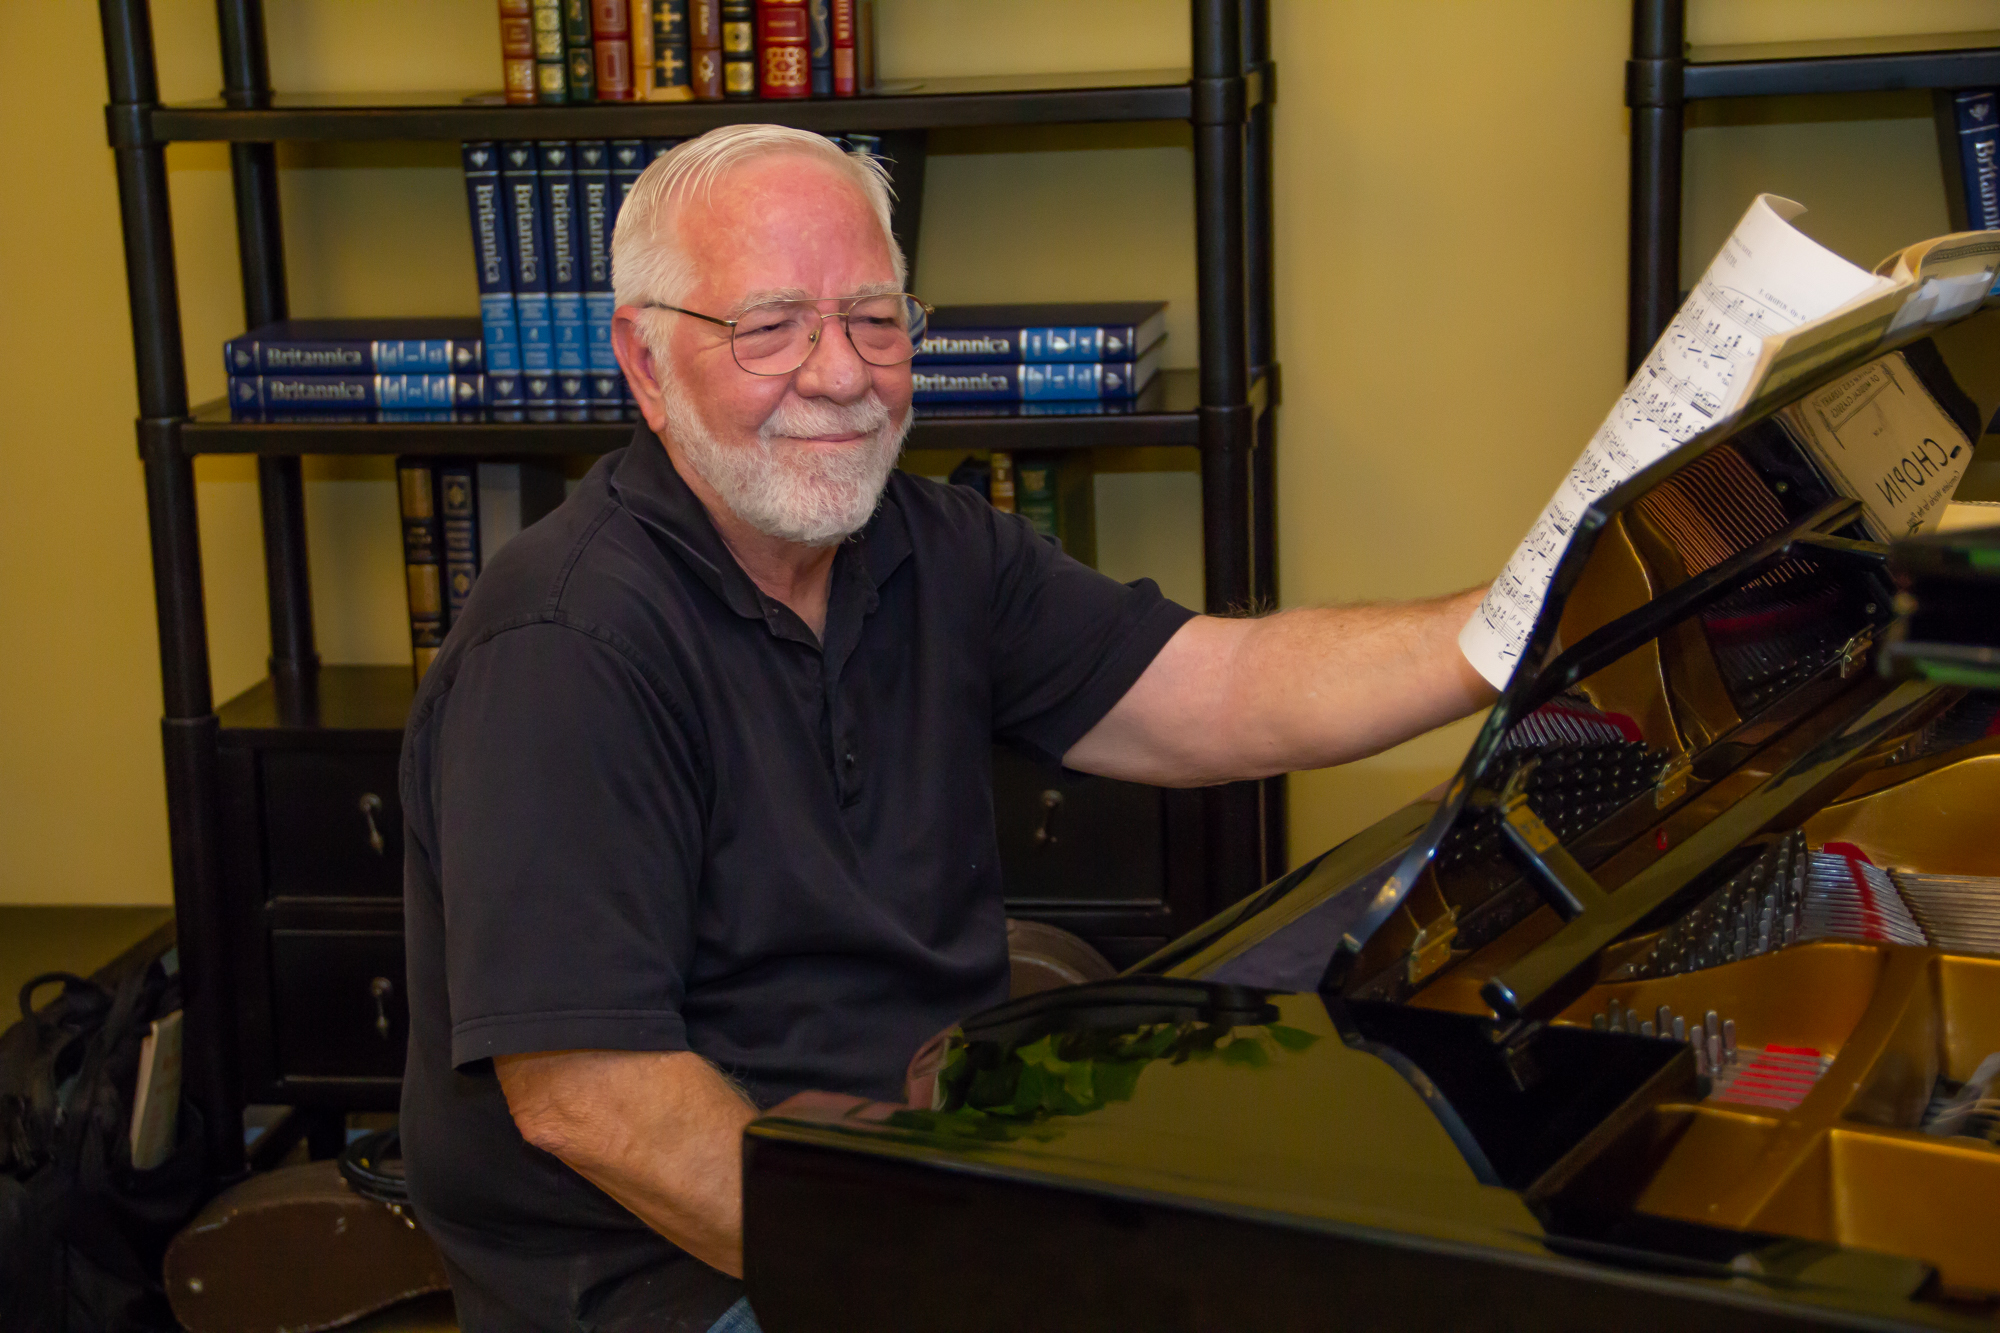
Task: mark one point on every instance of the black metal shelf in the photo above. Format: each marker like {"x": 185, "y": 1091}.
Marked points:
{"x": 1665, "y": 74}
{"x": 1167, "y": 414}
{"x": 368, "y": 704}
{"x": 1120, "y": 95}
{"x": 1226, "y": 840}
{"x": 1859, "y": 65}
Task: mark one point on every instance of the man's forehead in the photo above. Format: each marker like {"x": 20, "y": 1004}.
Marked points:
{"x": 786, "y": 227}
{"x": 759, "y": 295}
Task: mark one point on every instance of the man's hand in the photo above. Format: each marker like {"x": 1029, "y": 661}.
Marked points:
{"x": 1232, "y": 699}
{"x": 659, "y": 1131}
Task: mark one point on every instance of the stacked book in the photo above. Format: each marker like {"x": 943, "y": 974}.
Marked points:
{"x": 570, "y": 51}
{"x": 456, "y": 512}
{"x": 1977, "y": 117}
{"x": 358, "y": 370}
{"x": 1054, "y": 491}
{"x": 1037, "y": 359}
{"x": 542, "y": 213}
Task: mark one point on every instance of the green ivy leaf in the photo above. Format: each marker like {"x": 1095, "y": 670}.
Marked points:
{"x": 1292, "y": 1039}
{"x": 1247, "y": 1051}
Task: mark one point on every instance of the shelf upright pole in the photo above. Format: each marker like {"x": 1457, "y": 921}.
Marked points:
{"x": 260, "y": 246}
{"x": 1262, "y": 340}
{"x": 1226, "y": 425}
{"x": 188, "y": 729}
{"x": 1655, "y": 91}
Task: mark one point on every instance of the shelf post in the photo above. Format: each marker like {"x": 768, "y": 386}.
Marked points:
{"x": 1232, "y": 812}
{"x": 188, "y": 729}
{"x": 1655, "y": 91}
{"x": 260, "y": 247}
{"x": 1262, "y": 343}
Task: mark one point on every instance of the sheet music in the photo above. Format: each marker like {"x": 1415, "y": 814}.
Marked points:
{"x": 1768, "y": 279}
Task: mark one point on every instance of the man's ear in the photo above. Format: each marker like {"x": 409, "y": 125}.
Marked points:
{"x": 636, "y": 360}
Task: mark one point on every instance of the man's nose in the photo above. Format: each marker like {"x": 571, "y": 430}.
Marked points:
{"x": 833, "y": 369}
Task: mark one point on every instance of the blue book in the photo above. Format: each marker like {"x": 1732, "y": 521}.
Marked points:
{"x": 357, "y": 347}
{"x": 528, "y": 255}
{"x": 628, "y": 160}
{"x": 597, "y": 207}
{"x": 566, "y": 262}
{"x": 1979, "y": 157}
{"x": 336, "y": 393}
{"x": 506, "y": 390}
{"x": 1058, "y": 381}
{"x": 361, "y": 415}
{"x": 607, "y": 397}
{"x": 538, "y": 394}
{"x": 659, "y": 148}
{"x": 489, "y": 254}
{"x": 819, "y": 46}
{"x": 1084, "y": 332}
{"x": 572, "y": 398}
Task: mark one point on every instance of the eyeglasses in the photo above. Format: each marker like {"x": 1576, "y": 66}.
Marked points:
{"x": 776, "y": 337}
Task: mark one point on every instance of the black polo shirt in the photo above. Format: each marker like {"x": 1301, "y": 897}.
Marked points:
{"x": 648, "y": 810}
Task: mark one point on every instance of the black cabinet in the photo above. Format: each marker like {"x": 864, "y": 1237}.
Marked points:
{"x": 332, "y": 824}
{"x": 337, "y": 1004}
{"x": 281, "y": 807}
{"x": 312, "y": 881}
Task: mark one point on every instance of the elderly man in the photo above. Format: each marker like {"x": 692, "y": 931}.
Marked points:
{"x": 698, "y": 808}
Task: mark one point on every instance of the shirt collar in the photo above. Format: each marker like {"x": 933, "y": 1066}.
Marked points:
{"x": 655, "y": 493}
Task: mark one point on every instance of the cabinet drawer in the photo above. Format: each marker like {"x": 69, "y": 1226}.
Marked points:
{"x": 338, "y": 1007}
{"x": 332, "y": 823}
{"x": 1068, "y": 837}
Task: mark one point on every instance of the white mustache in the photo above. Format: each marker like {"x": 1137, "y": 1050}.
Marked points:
{"x": 803, "y": 418}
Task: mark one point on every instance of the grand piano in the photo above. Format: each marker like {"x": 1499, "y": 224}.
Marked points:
{"x": 1678, "y": 1007}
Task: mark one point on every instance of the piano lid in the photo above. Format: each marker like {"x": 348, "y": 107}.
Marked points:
{"x": 1701, "y": 669}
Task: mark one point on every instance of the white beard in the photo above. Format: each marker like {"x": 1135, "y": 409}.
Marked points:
{"x": 784, "y": 490}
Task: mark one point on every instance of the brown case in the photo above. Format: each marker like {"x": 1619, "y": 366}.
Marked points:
{"x": 296, "y": 1250}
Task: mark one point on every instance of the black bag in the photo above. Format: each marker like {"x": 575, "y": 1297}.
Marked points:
{"x": 81, "y": 1231}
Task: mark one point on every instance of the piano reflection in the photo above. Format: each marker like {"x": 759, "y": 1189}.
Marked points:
{"x": 1681, "y": 1003}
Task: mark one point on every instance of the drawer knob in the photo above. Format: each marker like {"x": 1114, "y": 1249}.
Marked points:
{"x": 371, "y": 806}
{"x": 1051, "y": 802}
{"x": 381, "y": 988}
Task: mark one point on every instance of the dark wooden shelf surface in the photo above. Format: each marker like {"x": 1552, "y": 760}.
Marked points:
{"x": 1851, "y": 65}
{"x": 1166, "y": 416}
{"x": 1035, "y": 99}
{"x": 366, "y": 704}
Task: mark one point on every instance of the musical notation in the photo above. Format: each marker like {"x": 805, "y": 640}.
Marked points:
{"x": 1769, "y": 278}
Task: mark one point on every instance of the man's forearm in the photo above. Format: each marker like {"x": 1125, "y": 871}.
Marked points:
{"x": 660, "y": 1132}
{"x": 1328, "y": 685}
{"x": 1233, "y": 699}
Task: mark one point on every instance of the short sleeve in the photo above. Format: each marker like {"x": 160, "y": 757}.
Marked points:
{"x": 1067, "y": 642}
{"x": 569, "y": 817}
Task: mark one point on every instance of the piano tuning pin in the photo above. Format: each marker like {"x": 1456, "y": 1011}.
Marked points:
{"x": 1617, "y": 1018}
{"x": 1665, "y": 1019}
{"x": 1729, "y": 1040}
{"x": 1646, "y": 1028}
{"x": 1712, "y": 1023}
{"x": 1680, "y": 1028}
{"x": 1715, "y": 1053}
{"x": 1700, "y": 1060}
{"x": 1600, "y": 1022}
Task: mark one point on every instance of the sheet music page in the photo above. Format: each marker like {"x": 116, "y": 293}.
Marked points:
{"x": 1769, "y": 278}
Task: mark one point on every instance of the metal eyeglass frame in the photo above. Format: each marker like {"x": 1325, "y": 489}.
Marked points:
{"x": 813, "y": 341}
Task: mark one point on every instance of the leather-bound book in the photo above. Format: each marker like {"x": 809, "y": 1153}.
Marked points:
{"x": 784, "y": 49}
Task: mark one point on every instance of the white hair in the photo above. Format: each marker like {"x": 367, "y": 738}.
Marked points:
{"x": 647, "y": 261}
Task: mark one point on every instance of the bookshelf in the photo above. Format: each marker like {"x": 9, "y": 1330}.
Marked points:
{"x": 293, "y": 981}
{"x": 1665, "y": 74}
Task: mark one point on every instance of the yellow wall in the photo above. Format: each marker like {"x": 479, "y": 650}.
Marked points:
{"x": 1451, "y": 210}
